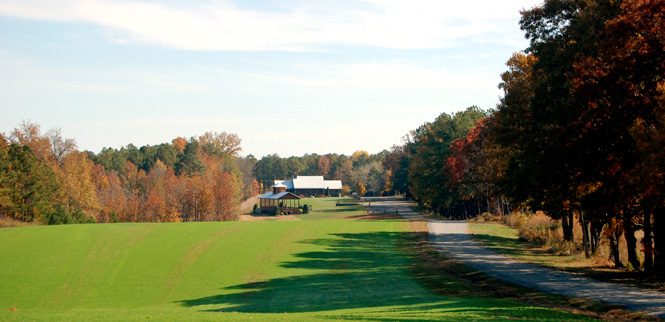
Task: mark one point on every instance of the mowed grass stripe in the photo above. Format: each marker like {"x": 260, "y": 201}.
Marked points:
{"x": 297, "y": 270}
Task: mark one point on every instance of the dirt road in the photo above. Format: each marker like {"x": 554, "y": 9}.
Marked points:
{"x": 452, "y": 239}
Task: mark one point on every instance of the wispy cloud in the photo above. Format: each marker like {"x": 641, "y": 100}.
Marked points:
{"x": 222, "y": 25}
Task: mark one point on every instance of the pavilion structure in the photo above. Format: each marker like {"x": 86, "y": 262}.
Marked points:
{"x": 279, "y": 197}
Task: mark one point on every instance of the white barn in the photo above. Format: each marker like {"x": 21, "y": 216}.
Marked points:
{"x": 311, "y": 186}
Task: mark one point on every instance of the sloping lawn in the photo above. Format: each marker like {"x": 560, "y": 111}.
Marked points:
{"x": 297, "y": 270}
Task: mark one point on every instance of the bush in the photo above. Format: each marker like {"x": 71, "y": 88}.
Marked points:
{"x": 305, "y": 209}
{"x": 486, "y": 216}
{"x": 113, "y": 217}
{"x": 541, "y": 229}
{"x": 276, "y": 211}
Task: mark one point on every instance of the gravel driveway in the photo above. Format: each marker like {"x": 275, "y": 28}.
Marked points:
{"x": 452, "y": 239}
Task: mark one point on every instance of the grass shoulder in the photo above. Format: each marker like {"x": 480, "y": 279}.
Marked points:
{"x": 446, "y": 276}
{"x": 505, "y": 240}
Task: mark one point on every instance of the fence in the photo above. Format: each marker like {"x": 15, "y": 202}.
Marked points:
{"x": 382, "y": 211}
{"x": 349, "y": 203}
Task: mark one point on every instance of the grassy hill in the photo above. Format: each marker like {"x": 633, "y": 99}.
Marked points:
{"x": 270, "y": 270}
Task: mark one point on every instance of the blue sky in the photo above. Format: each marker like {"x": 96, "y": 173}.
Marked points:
{"x": 289, "y": 77}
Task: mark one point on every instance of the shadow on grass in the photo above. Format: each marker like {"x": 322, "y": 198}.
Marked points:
{"x": 369, "y": 271}
{"x": 354, "y": 270}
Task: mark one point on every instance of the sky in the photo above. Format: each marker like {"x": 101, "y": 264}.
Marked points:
{"x": 287, "y": 76}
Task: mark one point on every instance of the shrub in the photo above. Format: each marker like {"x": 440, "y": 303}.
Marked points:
{"x": 276, "y": 211}
{"x": 486, "y": 216}
{"x": 305, "y": 209}
{"x": 113, "y": 217}
{"x": 541, "y": 229}
{"x": 58, "y": 217}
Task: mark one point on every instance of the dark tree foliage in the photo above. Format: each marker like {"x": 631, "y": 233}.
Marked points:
{"x": 28, "y": 186}
{"x": 418, "y": 165}
{"x": 190, "y": 164}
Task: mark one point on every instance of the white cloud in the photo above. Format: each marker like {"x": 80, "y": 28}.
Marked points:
{"x": 220, "y": 25}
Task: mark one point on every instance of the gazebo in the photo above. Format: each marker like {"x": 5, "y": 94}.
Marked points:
{"x": 279, "y": 197}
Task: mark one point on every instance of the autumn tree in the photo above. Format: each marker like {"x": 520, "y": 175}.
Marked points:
{"x": 359, "y": 158}
{"x": 323, "y": 166}
{"x": 360, "y": 189}
{"x": 620, "y": 88}
{"x": 29, "y": 134}
{"x": 429, "y": 149}
{"x": 60, "y": 146}
{"x": 227, "y": 143}
{"x": 179, "y": 144}
{"x": 79, "y": 189}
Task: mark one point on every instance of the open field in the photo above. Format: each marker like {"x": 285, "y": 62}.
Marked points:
{"x": 291, "y": 270}
{"x": 505, "y": 240}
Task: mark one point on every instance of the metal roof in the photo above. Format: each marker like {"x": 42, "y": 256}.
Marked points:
{"x": 270, "y": 195}
{"x": 309, "y": 182}
{"x": 334, "y": 184}
{"x": 287, "y": 183}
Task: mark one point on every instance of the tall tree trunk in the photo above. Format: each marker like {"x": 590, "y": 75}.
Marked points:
{"x": 596, "y": 230}
{"x": 478, "y": 205}
{"x": 571, "y": 226}
{"x": 489, "y": 208}
{"x": 647, "y": 241}
{"x": 614, "y": 248}
{"x": 631, "y": 242}
{"x": 567, "y": 226}
{"x": 659, "y": 239}
{"x": 585, "y": 235}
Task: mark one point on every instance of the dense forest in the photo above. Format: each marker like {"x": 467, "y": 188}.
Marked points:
{"x": 361, "y": 168}
{"x": 44, "y": 178}
{"x": 579, "y": 132}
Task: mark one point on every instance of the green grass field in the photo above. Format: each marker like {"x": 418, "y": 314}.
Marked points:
{"x": 289, "y": 270}
{"x": 325, "y": 209}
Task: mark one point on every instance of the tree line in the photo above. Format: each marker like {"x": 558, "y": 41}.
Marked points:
{"x": 44, "y": 178}
{"x": 359, "y": 169}
{"x": 579, "y": 132}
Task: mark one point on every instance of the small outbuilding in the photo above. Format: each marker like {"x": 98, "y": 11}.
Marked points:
{"x": 279, "y": 197}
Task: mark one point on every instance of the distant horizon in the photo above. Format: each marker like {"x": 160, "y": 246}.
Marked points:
{"x": 332, "y": 77}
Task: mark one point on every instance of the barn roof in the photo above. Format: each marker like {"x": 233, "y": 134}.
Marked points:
{"x": 309, "y": 182}
{"x": 334, "y": 184}
{"x": 286, "y": 183}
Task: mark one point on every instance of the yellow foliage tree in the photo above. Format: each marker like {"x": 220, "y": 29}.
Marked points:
{"x": 360, "y": 189}
{"x": 79, "y": 189}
